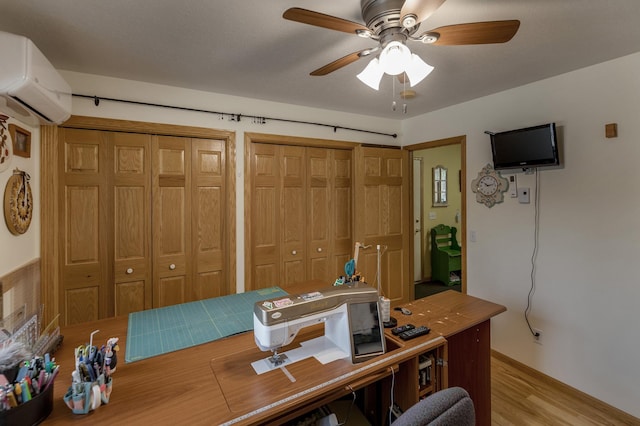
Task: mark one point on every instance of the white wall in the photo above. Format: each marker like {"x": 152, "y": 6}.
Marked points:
{"x": 17, "y": 250}
{"x": 587, "y": 296}
{"x": 144, "y": 92}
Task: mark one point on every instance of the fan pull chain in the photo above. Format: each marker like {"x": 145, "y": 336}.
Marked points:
{"x": 393, "y": 95}
{"x": 404, "y": 90}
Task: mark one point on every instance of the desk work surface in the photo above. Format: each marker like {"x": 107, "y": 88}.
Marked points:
{"x": 448, "y": 312}
{"x": 209, "y": 383}
{"x": 157, "y": 331}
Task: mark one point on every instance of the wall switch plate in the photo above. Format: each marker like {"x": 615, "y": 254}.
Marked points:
{"x": 432, "y": 215}
{"x": 523, "y": 195}
{"x": 513, "y": 186}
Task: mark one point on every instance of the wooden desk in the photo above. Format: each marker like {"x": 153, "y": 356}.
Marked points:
{"x": 184, "y": 386}
{"x": 465, "y": 322}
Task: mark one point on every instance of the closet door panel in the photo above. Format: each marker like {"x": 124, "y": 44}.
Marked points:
{"x": 342, "y": 212}
{"x": 132, "y": 222}
{"x": 381, "y": 192}
{"x": 171, "y": 224}
{"x": 130, "y": 296}
{"x": 293, "y": 215}
{"x": 208, "y": 223}
{"x": 265, "y": 216}
{"x": 319, "y": 213}
{"x": 85, "y": 292}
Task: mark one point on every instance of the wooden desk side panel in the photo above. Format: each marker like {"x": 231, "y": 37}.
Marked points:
{"x": 470, "y": 367}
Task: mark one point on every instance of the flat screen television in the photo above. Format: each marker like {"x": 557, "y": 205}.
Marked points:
{"x": 526, "y": 148}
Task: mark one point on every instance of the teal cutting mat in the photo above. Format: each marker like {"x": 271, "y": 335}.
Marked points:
{"x": 158, "y": 331}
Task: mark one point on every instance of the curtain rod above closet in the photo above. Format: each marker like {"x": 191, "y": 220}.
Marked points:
{"x": 232, "y": 117}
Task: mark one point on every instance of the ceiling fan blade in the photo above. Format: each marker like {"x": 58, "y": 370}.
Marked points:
{"x": 321, "y": 20}
{"x": 421, "y": 9}
{"x": 344, "y": 61}
{"x": 476, "y": 33}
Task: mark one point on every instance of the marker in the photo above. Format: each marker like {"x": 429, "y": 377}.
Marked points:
{"x": 11, "y": 397}
{"x": 26, "y": 394}
{"x": 17, "y": 390}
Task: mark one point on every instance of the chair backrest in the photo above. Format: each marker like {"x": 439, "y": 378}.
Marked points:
{"x": 451, "y": 406}
{"x": 444, "y": 236}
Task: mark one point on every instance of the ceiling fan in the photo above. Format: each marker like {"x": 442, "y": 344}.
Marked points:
{"x": 394, "y": 22}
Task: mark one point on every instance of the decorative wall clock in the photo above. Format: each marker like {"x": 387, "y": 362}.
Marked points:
{"x": 489, "y": 186}
{"x": 6, "y": 146}
{"x": 18, "y": 203}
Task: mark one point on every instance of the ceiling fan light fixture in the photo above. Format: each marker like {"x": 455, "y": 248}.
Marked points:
{"x": 417, "y": 70}
{"x": 372, "y": 74}
{"x": 394, "y": 58}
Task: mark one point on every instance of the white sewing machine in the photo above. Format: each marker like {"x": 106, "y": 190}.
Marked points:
{"x": 352, "y": 325}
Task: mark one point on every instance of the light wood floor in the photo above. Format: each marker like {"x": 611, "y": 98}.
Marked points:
{"x": 522, "y": 396}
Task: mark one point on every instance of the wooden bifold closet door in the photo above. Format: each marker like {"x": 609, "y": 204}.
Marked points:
{"x": 142, "y": 222}
{"x": 300, "y": 218}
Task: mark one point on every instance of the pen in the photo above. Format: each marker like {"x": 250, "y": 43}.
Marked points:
{"x": 51, "y": 378}
{"x": 41, "y": 379}
{"x": 35, "y": 387}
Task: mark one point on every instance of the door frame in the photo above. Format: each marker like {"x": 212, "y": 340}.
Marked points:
{"x": 456, "y": 140}
{"x": 417, "y": 194}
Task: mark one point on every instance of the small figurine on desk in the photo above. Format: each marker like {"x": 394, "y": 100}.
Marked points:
{"x": 110, "y": 357}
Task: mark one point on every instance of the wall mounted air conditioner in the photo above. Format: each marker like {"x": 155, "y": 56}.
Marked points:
{"x": 31, "y": 90}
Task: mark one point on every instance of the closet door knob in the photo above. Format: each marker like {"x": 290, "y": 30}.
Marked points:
{"x": 319, "y": 249}
{"x": 293, "y": 252}
{"x": 129, "y": 270}
{"x": 172, "y": 266}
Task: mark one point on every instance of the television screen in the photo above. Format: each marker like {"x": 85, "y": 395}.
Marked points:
{"x": 367, "y": 333}
{"x": 525, "y": 148}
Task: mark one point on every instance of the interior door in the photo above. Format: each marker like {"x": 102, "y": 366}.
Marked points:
{"x": 382, "y": 218}
{"x": 418, "y": 252}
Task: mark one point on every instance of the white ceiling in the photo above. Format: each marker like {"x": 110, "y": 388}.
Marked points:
{"x": 246, "y": 48}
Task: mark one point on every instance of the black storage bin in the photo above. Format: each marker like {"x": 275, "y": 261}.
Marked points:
{"x": 32, "y": 412}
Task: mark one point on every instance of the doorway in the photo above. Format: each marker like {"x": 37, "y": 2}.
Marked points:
{"x": 429, "y": 208}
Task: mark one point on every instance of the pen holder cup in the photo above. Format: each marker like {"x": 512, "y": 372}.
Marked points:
{"x": 84, "y": 397}
{"x": 32, "y": 412}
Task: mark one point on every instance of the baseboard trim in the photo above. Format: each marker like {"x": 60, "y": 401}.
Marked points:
{"x": 609, "y": 410}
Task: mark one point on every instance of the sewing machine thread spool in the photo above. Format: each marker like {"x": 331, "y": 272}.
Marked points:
{"x": 385, "y": 308}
